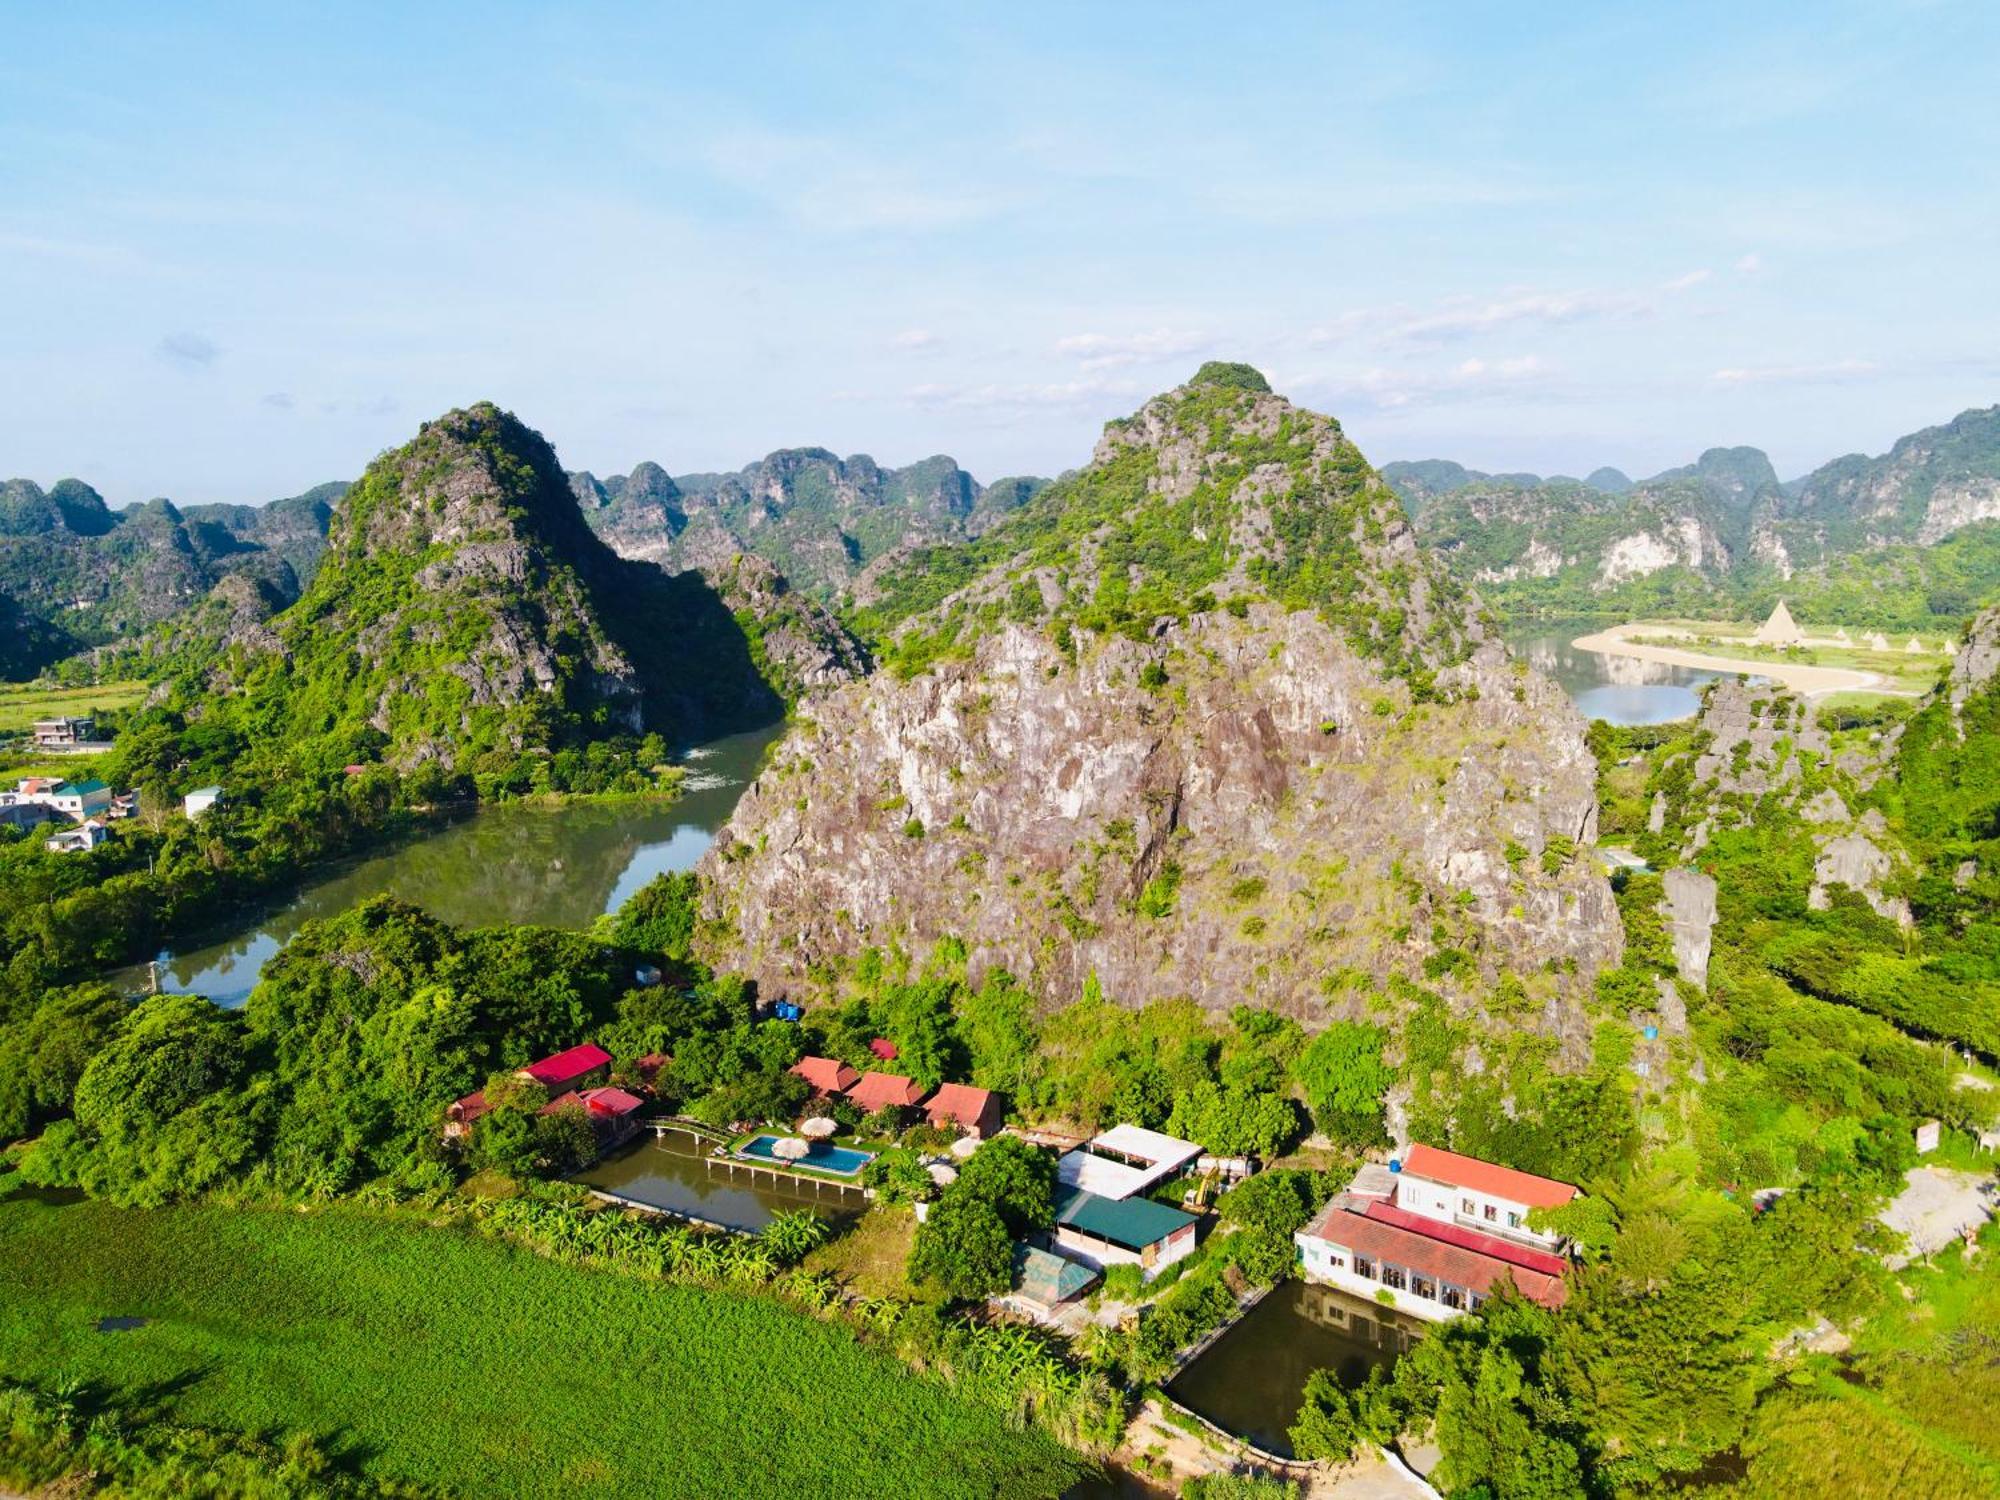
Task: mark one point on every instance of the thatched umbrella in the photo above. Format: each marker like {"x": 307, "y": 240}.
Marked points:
{"x": 943, "y": 1175}
{"x": 789, "y": 1148}
{"x": 964, "y": 1146}
{"x": 818, "y": 1128}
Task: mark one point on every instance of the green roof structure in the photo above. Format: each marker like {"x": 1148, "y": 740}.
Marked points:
{"x": 1133, "y": 1223}
{"x": 1045, "y": 1277}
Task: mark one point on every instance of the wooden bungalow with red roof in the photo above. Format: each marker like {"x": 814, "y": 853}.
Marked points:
{"x": 826, "y": 1076}
{"x": 977, "y": 1112}
{"x": 879, "y": 1091}
{"x": 577, "y": 1068}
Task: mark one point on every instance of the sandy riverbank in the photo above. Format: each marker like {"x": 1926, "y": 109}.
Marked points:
{"x": 1810, "y": 681}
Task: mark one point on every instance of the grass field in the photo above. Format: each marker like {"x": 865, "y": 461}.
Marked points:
{"x": 21, "y": 703}
{"x": 432, "y": 1355}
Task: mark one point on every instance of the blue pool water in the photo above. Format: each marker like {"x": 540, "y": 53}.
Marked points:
{"x": 842, "y": 1161}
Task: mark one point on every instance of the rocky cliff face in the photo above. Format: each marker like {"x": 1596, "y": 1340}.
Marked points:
{"x": 1329, "y": 773}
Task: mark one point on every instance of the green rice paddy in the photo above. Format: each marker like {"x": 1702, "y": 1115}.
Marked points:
{"x": 427, "y": 1354}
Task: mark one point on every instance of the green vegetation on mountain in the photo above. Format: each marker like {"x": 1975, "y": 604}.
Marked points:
{"x": 1909, "y": 540}
{"x": 1213, "y": 494}
{"x": 74, "y": 572}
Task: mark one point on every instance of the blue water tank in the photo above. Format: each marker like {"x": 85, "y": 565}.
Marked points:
{"x": 1395, "y": 1164}
{"x": 1652, "y": 1033}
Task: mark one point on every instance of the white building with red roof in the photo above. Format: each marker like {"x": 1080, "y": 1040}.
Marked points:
{"x": 1475, "y": 1194}
{"x": 1437, "y": 1234}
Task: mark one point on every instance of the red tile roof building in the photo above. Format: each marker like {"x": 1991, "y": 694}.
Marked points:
{"x": 885, "y": 1091}
{"x": 460, "y": 1114}
{"x": 883, "y": 1048}
{"x": 975, "y": 1111}
{"x": 826, "y": 1075}
{"x": 1438, "y": 1233}
{"x": 1453, "y": 1170}
{"x": 567, "y": 1070}
{"x": 1455, "y": 1277}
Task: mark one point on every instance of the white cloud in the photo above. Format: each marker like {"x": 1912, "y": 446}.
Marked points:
{"x": 1104, "y": 351}
{"x": 1837, "y": 370}
{"x": 1750, "y": 264}
{"x": 915, "y": 338}
{"x": 1687, "y": 279}
{"x": 191, "y": 350}
{"x": 1464, "y": 318}
{"x": 1032, "y": 396}
{"x": 1474, "y": 379}
{"x": 279, "y": 401}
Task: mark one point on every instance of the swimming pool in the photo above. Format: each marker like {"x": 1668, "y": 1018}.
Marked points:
{"x": 840, "y": 1161}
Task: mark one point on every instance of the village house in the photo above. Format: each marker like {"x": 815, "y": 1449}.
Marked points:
{"x": 81, "y": 799}
{"x": 879, "y": 1091}
{"x": 200, "y": 800}
{"x": 612, "y": 1112}
{"x": 1435, "y": 1233}
{"x": 577, "y": 1068}
{"x": 577, "y": 1071}
{"x": 78, "y": 840}
{"x": 63, "y": 732}
{"x": 977, "y": 1112}
{"x": 828, "y": 1077}
{"x": 1463, "y": 1190}
{"x": 76, "y": 800}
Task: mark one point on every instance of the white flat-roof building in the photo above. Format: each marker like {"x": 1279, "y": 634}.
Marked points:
{"x": 200, "y": 800}
{"x": 1124, "y": 1161}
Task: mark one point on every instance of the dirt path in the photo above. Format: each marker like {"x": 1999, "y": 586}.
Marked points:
{"x": 1810, "y": 681}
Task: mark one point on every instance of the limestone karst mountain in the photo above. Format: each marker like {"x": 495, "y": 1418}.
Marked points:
{"x": 818, "y": 518}
{"x": 1914, "y": 532}
{"x": 463, "y": 605}
{"x": 1202, "y": 719}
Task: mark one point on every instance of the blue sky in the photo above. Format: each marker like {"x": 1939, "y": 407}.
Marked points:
{"x": 242, "y": 249}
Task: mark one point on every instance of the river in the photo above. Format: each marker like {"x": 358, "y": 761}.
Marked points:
{"x": 1616, "y": 688}
{"x": 551, "y": 866}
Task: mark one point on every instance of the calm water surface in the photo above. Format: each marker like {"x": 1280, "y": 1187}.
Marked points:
{"x": 548, "y": 866}
{"x": 674, "y": 1172}
{"x": 1252, "y": 1379}
{"x": 1616, "y": 688}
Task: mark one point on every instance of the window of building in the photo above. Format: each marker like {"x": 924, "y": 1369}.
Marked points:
{"x": 1423, "y": 1286}
{"x": 1513, "y": 1221}
{"x": 1364, "y": 1267}
{"x": 1452, "y": 1296}
{"x": 1492, "y": 1212}
{"x": 1392, "y": 1276}
{"x": 1465, "y": 1206}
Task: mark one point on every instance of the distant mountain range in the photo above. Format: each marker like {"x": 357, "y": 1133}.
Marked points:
{"x": 78, "y": 573}
{"x": 820, "y": 519}
{"x": 1909, "y": 537}
{"x": 75, "y": 573}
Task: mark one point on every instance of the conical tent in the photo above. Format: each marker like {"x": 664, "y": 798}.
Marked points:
{"x": 1780, "y": 630}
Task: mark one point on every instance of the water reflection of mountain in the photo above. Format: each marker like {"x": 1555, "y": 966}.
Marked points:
{"x": 1621, "y": 689}
{"x": 544, "y": 866}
